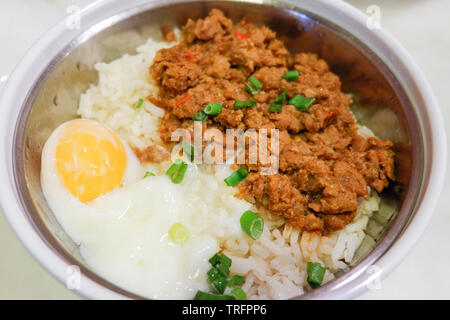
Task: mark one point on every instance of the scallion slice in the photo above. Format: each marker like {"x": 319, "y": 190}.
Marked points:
{"x": 282, "y": 97}
{"x": 236, "y": 280}
{"x": 201, "y": 295}
{"x": 139, "y": 103}
{"x": 148, "y": 174}
{"x": 315, "y": 274}
{"x": 214, "y": 260}
{"x": 250, "y": 89}
{"x": 301, "y": 103}
{"x": 236, "y": 177}
{"x": 222, "y": 263}
{"x": 188, "y": 150}
{"x": 277, "y": 105}
{"x": 217, "y": 280}
{"x": 291, "y": 75}
{"x": 213, "y": 109}
{"x": 200, "y": 116}
{"x": 255, "y": 83}
{"x": 238, "y": 294}
{"x": 252, "y": 224}
{"x": 244, "y": 104}
{"x": 254, "y": 87}
{"x": 178, "y": 233}
{"x": 176, "y": 171}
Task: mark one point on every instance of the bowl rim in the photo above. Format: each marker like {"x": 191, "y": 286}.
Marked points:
{"x": 54, "y": 40}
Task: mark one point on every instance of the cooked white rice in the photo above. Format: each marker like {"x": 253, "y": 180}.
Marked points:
{"x": 120, "y": 86}
{"x": 275, "y": 264}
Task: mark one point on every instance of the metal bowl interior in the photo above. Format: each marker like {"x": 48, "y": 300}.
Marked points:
{"x": 382, "y": 102}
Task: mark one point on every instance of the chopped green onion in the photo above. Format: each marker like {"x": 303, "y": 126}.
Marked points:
{"x": 315, "y": 274}
{"x": 148, "y": 174}
{"x": 282, "y": 97}
{"x": 291, "y": 75}
{"x": 222, "y": 263}
{"x": 244, "y": 104}
{"x": 217, "y": 280}
{"x": 210, "y": 296}
{"x": 200, "y": 116}
{"x": 254, "y": 87}
{"x": 139, "y": 103}
{"x": 252, "y": 224}
{"x": 251, "y": 90}
{"x": 275, "y": 107}
{"x": 178, "y": 233}
{"x": 300, "y": 102}
{"x": 214, "y": 260}
{"x": 236, "y": 280}
{"x": 176, "y": 171}
{"x": 255, "y": 83}
{"x": 236, "y": 177}
{"x": 189, "y": 150}
{"x": 278, "y": 104}
{"x": 238, "y": 294}
{"x": 213, "y": 109}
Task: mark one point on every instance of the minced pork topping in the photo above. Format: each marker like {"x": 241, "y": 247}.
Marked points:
{"x": 324, "y": 164}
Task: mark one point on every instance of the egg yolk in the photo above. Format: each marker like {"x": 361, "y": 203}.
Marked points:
{"x": 90, "y": 159}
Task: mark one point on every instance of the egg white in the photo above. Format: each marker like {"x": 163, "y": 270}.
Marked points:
{"x": 123, "y": 234}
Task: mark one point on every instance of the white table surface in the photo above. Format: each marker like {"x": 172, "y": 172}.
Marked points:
{"x": 422, "y": 26}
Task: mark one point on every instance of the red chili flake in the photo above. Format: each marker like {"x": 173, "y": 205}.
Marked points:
{"x": 183, "y": 100}
{"x": 189, "y": 55}
{"x": 329, "y": 116}
{"x": 241, "y": 36}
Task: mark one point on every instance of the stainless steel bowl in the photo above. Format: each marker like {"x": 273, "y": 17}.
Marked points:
{"x": 391, "y": 97}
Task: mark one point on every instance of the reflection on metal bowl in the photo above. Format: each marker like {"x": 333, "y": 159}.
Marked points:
{"x": 391, "y": 97}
